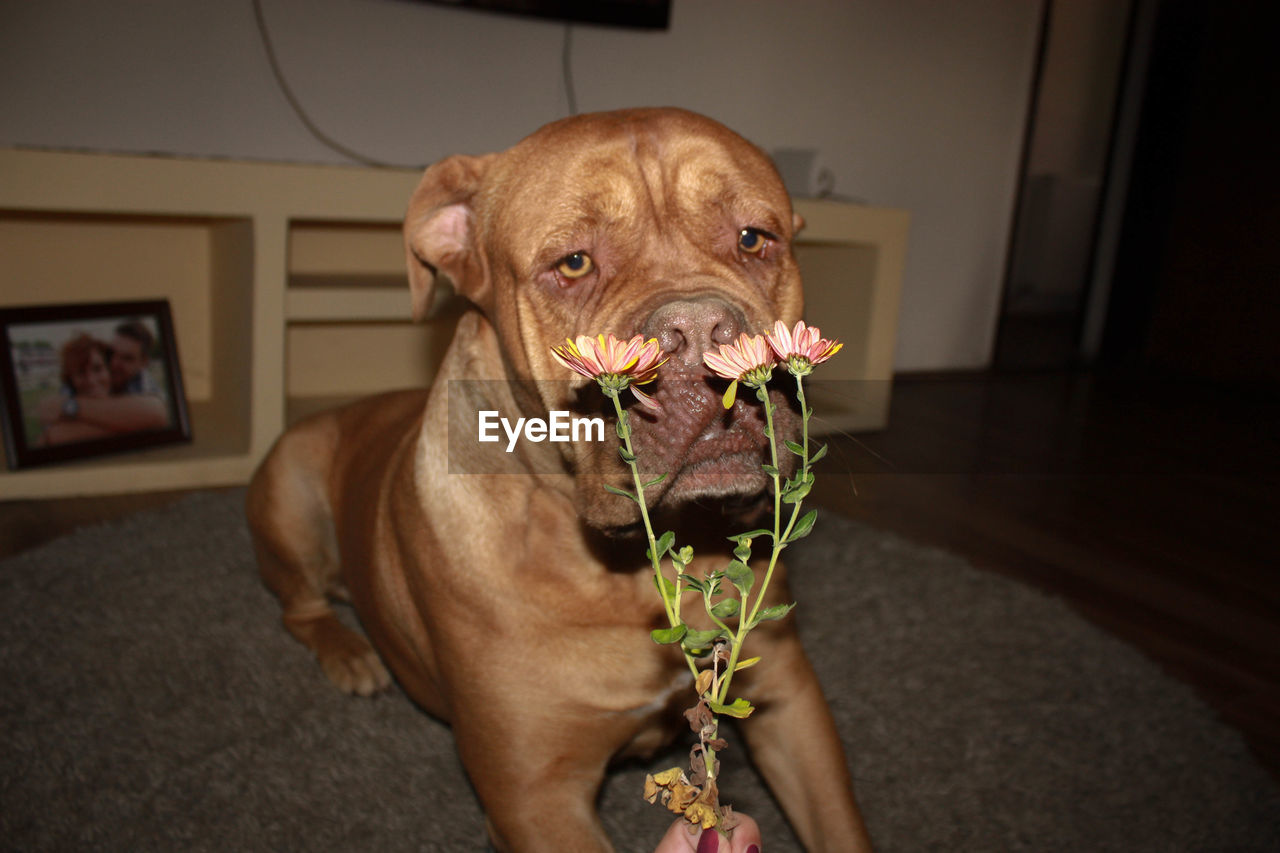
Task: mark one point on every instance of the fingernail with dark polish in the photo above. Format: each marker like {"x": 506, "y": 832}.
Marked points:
{"x": 754, "y": 848}
{"x": 709, "y": 842}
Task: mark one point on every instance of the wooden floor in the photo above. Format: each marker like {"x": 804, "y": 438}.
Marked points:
{"x": 1149, "y": 506}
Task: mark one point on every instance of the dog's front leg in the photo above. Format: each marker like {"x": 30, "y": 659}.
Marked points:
{"x": 537, "y": 780}
{"x": 794, "y": 742}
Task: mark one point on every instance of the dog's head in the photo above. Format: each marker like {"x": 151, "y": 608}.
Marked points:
{"x": 656, "y": 222}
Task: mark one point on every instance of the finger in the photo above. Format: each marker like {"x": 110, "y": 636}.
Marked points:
{"x": 682, "y": 838}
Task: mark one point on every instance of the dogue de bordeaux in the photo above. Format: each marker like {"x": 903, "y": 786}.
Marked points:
{"x": 508, "y": 593}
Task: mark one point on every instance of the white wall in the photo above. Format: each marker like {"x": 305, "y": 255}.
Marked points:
{"x": 911, "y": 103}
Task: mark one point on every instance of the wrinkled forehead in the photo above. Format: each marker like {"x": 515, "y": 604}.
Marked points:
{"x": 580, "y": 176}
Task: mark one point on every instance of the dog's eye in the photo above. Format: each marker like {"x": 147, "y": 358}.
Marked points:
{"x": 575, "y": 266}
{"x": 751, "y": 241}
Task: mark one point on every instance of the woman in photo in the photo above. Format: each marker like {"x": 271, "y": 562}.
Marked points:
{"x": 86, "y": 375}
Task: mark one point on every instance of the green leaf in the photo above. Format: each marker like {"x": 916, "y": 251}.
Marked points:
{"x": 656, "y": 480}
{"x": 686, "y": 554}
{"x": 696, "y": 640}
{"x": 803, "y": 527}
{"x": 667, "y": 636}
{"x": 664, "y": 545}
{"x": 770, "y": 470}
{"x": 668, "y": 586}
{"x": 614, "y": 490}
{"x": 746, "y": 664}
{"x": 730, "y": 395}
{"x": 626, "y": 455}
{"x": 741, "y": 576}
{"x": 797, "y": 493}
{"x": 794, "y": 447}
{"x": 695, "y": 583}
{"x": 750, "y": 534}
{"x": 822, "y": 451}
{"x": 742, "y": 552}
{"x": 739, "y": 708}
{"x": 771, "y": 614}
{"x": 622, "y": 427}
{"x": 726, "y": 609}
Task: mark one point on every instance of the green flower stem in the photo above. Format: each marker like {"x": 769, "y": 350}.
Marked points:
{"x": 746, "y": 619}
{"x": 670, "y": 605}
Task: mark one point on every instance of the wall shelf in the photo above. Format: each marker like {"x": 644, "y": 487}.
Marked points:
{"x": 289, "y": 294}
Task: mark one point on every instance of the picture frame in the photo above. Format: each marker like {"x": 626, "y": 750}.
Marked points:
{"x": 88, "y": 379}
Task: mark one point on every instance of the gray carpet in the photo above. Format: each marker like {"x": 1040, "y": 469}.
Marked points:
{"x": 152, "y": 702}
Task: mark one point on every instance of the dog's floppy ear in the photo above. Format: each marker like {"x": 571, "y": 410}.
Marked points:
{"x": 439, "y": 233}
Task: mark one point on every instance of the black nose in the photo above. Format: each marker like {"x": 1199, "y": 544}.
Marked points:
{"x": 687, "y": 329}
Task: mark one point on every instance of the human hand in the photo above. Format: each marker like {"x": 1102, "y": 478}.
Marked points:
{"x": 683, "y": 838}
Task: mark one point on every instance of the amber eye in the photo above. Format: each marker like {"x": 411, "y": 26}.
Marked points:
{"x": 576, "y": 265}
{"x": 751, "y": 241}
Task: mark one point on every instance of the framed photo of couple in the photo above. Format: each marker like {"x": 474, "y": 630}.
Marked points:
{"x": 89, "y": 379}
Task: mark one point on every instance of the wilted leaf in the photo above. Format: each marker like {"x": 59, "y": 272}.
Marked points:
{"x": 668, "y": 777}
{"x": 705, "y": 678}
{"x": 700, "y": 814}
{"x": 682, "y": 797}
{"x": 699, "y": 716}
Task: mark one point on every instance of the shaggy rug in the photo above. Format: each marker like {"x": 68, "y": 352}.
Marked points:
{"x": 151, "y": 701}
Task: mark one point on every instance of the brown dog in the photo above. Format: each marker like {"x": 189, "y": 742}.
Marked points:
{"x": 506, "y": 591}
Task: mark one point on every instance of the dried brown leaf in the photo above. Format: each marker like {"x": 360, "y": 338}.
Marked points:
{"x": 705, "y": 678}
{"x": 701, "y": 814}
{"x": 682, "y": 796}
{"x": 700, "y": 716}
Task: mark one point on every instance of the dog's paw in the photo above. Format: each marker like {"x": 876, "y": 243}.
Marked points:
{"x": 345, "y": 656}
{"x": 358, "y": 674}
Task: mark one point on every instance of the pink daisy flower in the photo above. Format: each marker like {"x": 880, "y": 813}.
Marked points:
{"x": 802, "y": 347}
{"x": 747, "y": 360}
{"x": 614, "y": 364}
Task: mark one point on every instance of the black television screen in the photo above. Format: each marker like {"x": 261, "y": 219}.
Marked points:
{"x": 646, "y": 14}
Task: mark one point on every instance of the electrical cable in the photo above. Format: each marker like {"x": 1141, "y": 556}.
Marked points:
{"x": 301, "y": 113}
{"x": 566, "y": 69}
